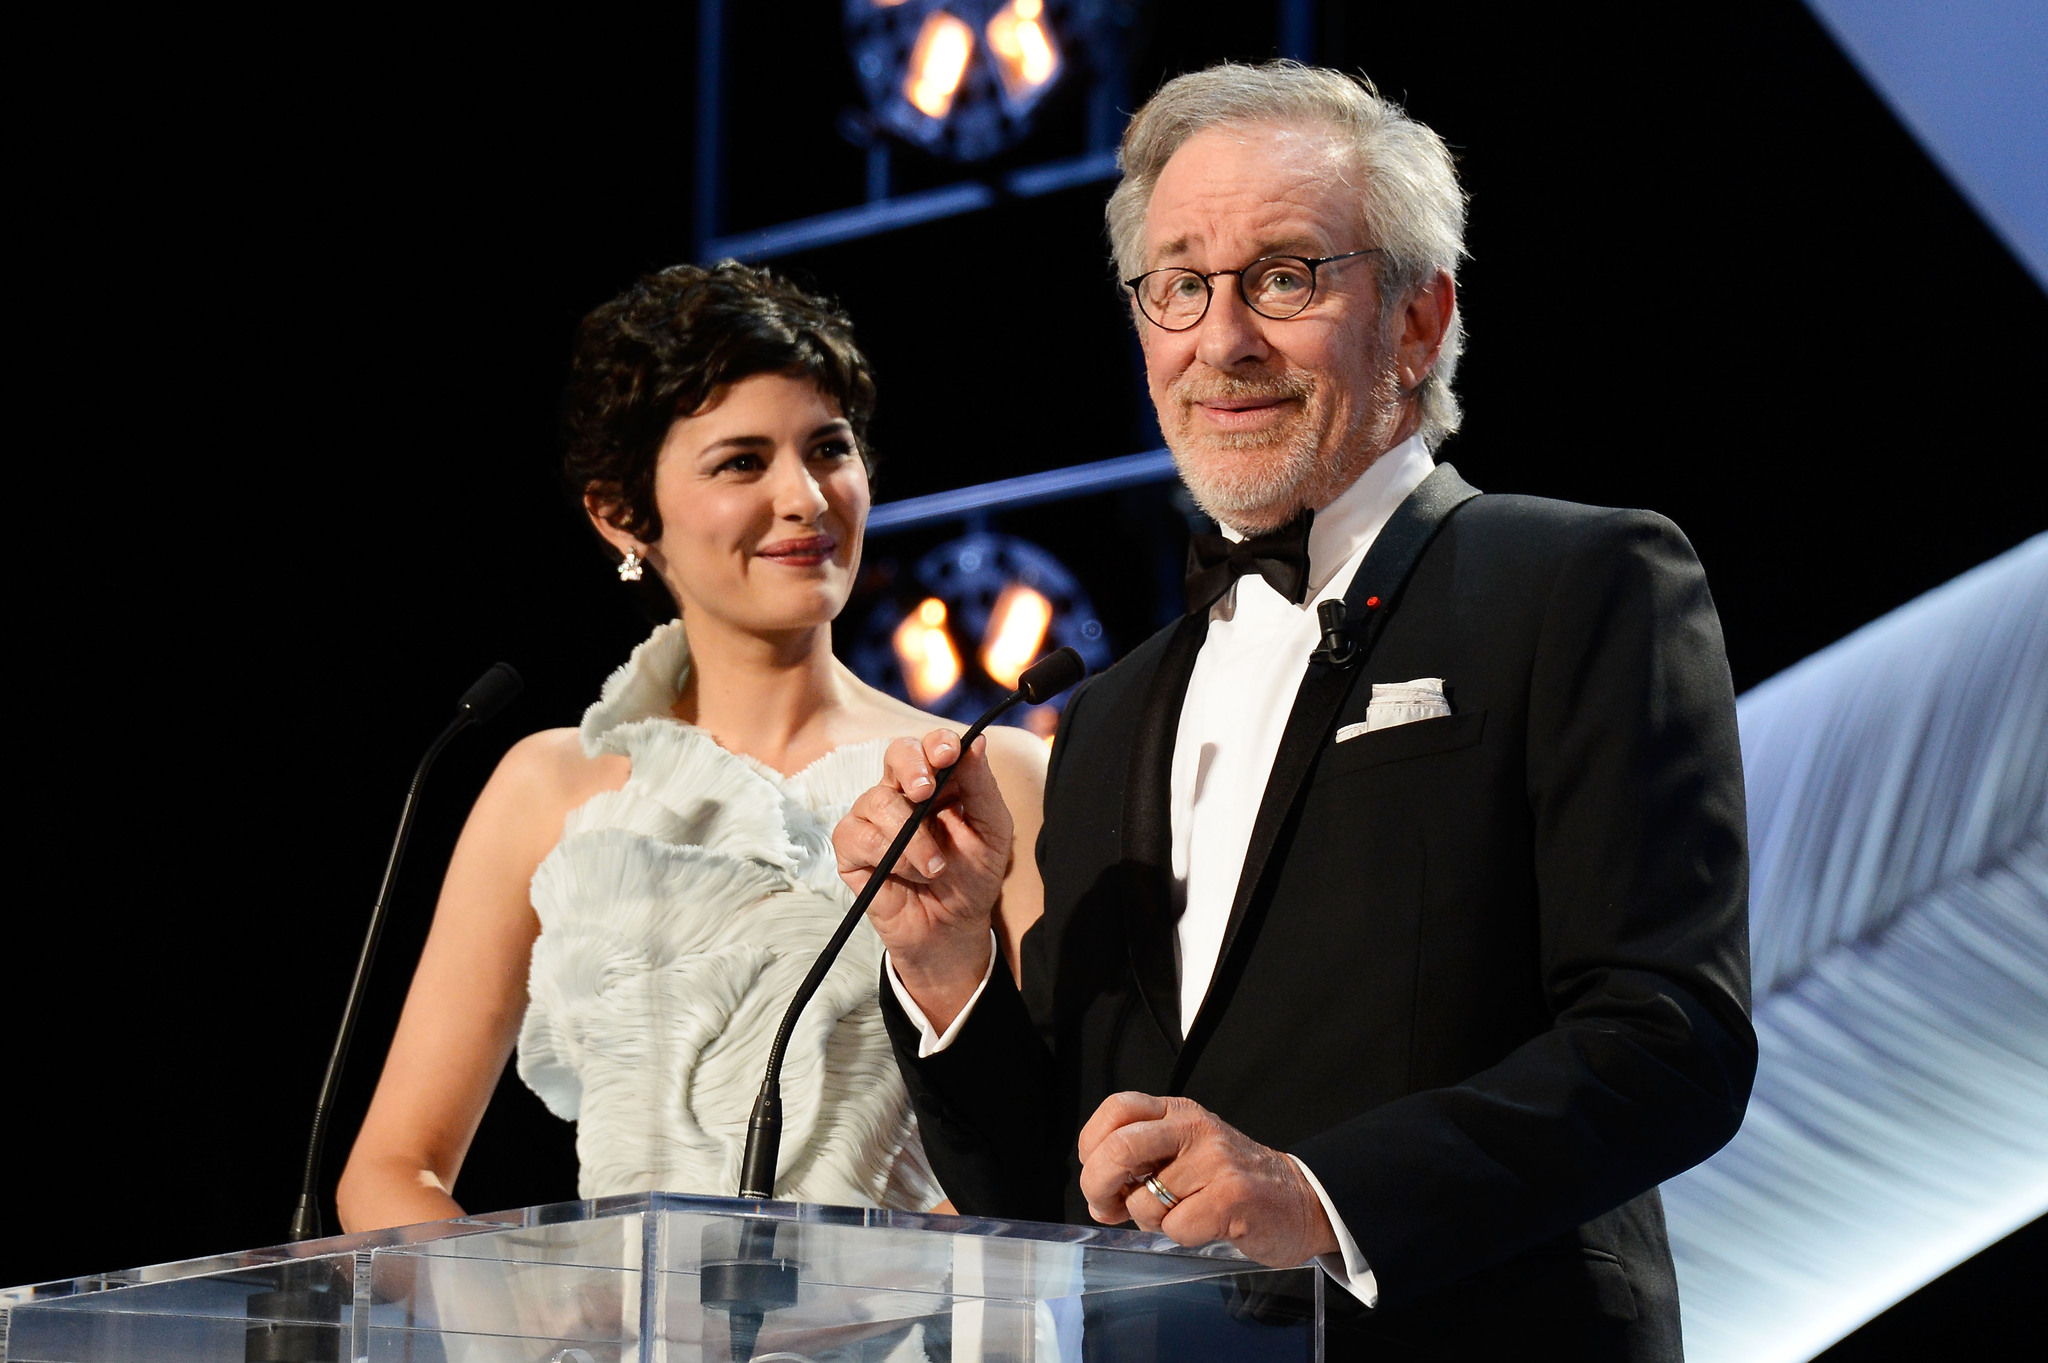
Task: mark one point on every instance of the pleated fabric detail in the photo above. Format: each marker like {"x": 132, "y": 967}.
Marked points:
{"x": 678, "y": 915}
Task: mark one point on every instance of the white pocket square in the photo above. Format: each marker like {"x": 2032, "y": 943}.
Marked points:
{"x": 1400, "y": 703}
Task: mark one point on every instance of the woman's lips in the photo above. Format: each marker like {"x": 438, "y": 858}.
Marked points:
{"x": 804, "y": 553}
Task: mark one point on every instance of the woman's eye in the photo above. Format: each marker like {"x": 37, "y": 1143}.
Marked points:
{"x": 835, "y": 450}
{"x": 740, "y": 463}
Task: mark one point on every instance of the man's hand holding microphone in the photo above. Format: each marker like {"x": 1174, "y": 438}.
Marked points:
{"x": 1167, "y": 1164}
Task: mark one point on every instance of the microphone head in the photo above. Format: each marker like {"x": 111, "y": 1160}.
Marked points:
{"x": 490, "y": 693}
{"x": 1051, "y": 675}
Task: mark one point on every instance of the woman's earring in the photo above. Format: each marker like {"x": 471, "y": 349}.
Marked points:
{"x": 629, "y": 567}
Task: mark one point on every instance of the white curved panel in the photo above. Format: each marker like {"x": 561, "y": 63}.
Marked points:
{"x": 1898, "y": 811}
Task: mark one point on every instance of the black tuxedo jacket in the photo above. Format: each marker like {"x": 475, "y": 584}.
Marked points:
{"x": 1486, "y": 975}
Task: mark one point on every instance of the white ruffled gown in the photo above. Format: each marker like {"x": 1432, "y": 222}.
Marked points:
{"x": 677, "y": 916}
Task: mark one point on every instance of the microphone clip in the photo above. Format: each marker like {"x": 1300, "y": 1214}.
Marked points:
{"x": 1338, "y": 648}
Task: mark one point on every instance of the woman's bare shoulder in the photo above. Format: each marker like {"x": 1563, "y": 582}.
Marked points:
{"x": 1011, "y": 750}
{"x": 550, "y": 770}
{"x": 884, "y": 716}
{"x": 1016, "y": 755}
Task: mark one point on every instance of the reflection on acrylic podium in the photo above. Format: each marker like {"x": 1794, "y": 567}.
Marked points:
{"x": 661, "y": 1278}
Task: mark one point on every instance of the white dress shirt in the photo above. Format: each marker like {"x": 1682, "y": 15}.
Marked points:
{"x": 1238, "y": 701}
{"x": 1231, "y": 722}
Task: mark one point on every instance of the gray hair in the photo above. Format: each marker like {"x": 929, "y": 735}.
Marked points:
{"x": 1412, "y": 206}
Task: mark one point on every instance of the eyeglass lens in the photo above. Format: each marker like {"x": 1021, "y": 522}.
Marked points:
{"x": 1278, "y": 287}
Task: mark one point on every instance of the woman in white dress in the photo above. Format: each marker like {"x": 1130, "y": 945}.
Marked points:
{"x": 633, "y": 902}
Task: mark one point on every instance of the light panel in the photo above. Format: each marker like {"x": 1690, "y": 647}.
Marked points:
{"x": 930, "y": 662}
{"x": 938, "y": 63}
{"x": 1026, "y": 57}
{"x": 1016, "y": 631}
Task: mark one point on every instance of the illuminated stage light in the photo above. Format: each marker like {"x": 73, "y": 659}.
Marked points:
{"x": 937, "y": 64}
{"x": 960, "y": 79}
{"x": 926, "y": 653}
{"x": 1027, "y": 59}
{"x": 999, "y": 599}
{"x": 1016, "y": 628}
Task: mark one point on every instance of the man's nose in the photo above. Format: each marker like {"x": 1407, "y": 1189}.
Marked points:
{"x": 1228, "y": 336}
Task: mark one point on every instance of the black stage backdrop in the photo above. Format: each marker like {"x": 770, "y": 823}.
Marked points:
{"x": 299, "y": 294}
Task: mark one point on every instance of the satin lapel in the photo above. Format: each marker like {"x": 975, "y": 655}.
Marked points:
{"x": 1379, "y": 580}
{"x": 1147, "y": 865}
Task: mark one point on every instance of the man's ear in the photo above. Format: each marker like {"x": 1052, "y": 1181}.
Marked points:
{"x": 1424, "y": 322}
{"x": 604, "y": 510}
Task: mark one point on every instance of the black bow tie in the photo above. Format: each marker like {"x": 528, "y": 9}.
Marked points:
{"x": 1280, "y": 556}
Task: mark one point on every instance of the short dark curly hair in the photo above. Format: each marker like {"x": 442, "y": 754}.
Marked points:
{"x": 661, "y": 349}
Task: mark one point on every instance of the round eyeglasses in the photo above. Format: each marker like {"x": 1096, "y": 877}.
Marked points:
{"x": 1275, "y": 287}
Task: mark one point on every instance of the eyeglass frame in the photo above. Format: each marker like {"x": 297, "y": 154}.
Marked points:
{"x": 1313, "y": 263}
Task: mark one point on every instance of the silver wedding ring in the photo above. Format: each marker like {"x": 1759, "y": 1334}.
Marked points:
{"x": 1158, "y": 1190}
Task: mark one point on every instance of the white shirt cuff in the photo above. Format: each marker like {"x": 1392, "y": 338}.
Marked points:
{"x": 930, "y": 1042}
{"x": 1347, "y": 1266}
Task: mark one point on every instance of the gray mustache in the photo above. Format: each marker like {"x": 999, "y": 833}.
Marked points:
{"x": 1209, "y": 391}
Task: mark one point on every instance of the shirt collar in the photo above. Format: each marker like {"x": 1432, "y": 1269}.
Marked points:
{"x": 1343, "y": 529}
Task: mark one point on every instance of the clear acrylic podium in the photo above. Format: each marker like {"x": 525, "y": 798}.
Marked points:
{"x": 662, "y": 1278}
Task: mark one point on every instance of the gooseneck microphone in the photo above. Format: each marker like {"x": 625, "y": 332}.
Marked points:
{"x": 1039, "y": 684}
{"x": 749, "y": 1267}
{"x": 492, "y": 692}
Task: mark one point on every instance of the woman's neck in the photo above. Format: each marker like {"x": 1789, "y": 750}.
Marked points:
{"x": 771, "y": 697}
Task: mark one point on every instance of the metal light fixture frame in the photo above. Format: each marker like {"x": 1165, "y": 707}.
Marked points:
{"x": 987, "y": 115}
{"x": 1095, "y": 56}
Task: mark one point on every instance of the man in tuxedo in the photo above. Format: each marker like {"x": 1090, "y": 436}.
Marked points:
{"x": 1395, "y": 898}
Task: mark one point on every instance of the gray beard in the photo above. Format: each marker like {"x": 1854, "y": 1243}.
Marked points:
{"x": 1243, "y": 498}
{"x": 1293, "y": 476}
